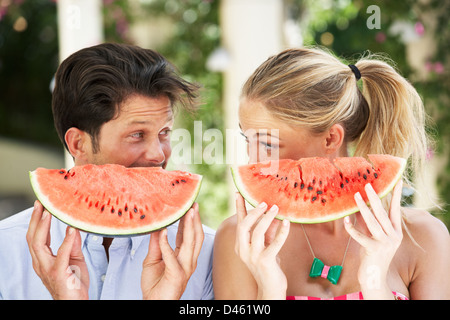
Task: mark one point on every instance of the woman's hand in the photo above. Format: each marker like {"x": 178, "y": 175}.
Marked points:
{"x": 378, "y": 248}
{"x": 259, "y": 239}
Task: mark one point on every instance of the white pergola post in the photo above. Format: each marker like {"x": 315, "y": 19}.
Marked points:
{"x": 252, "y": 30}
{"x": 80, "y": 25}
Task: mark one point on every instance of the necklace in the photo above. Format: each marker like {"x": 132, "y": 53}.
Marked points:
{"x": 318, "y": 268}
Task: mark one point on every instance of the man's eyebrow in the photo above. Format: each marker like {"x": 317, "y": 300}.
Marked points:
{"x": 134, "y": 122}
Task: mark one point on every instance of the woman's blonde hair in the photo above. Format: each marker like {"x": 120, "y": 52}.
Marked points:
{"x": 311, "y": 88}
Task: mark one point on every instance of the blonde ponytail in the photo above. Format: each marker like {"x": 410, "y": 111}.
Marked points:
{"x": 396, "y": 123}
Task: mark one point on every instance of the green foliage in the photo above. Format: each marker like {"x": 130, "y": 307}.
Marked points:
{"x": 28, "y": 59}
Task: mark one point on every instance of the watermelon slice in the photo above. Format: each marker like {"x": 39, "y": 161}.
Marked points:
{"x": 114, "y": 200}
{"x": 314, "y": 190}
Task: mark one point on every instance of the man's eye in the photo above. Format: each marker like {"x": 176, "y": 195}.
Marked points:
{"x": 165, "y": 132}
{"x": 137, "y": 135}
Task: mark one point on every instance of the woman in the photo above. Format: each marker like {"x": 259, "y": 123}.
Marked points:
{"x": 308, "y": 103}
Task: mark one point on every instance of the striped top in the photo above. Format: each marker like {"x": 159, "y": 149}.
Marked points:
{"x": 348, "y": 296}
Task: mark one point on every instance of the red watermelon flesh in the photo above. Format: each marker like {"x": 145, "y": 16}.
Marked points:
{"x": 114, "y": 200}
{"x": 314, "y": 190}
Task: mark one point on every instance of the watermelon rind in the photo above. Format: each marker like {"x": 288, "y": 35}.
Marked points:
{"x": 240, "y": 185}
{"x": 108, "y": 231}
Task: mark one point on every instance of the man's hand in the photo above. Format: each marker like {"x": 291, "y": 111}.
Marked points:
{"x": 65, "y": 275}
{"x": 166, "y": 271}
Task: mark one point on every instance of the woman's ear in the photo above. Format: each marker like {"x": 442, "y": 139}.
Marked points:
{"x": 78, "y": 142}
{"x": 334, "y": 138}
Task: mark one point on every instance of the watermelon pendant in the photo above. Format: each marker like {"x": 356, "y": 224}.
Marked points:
{"x": 113, "y": 200}
{"x": 315, "y": 190}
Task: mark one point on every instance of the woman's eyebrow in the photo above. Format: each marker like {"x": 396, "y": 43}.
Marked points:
{"x": 258, "y": 134}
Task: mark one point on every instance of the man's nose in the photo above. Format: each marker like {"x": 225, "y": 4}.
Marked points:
{"x": 155, "y": 154}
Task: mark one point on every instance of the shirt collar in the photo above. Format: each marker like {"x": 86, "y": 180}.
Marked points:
{"x": 135, "y": 241}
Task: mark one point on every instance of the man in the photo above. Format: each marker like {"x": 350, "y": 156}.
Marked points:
{"x": 111, "y": 104}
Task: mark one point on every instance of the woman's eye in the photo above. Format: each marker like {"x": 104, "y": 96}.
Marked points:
{"x": 245, "y": 137}
{"x": 266, "y": 145}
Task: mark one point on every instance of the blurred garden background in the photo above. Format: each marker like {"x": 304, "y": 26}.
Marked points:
{"x": 217, "y": 44}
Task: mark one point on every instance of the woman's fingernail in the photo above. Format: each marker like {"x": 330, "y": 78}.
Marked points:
{"x": 71, "y": 230}
{"x": 347, "y": 219}
{"x": 262, "y": 205}
{"x": 44, "y": 215}
{"x": 358, "y": 196}
{"x": 274, "y": 208}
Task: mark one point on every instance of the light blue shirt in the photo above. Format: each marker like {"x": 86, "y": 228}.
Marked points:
{"x": 120, "y": 278}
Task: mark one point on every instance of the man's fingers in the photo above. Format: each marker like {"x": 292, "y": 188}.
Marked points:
{"x": 192, "y": 240}
{"x": 168, "y": 255}
{"x": 64, "y": 252}
{"x": 154, "y": 254}
{"x": 41, "y": 240}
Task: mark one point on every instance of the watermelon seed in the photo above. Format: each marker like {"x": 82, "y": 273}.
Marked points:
{"x": 295, "y": 185}
{"x": 319, "y": 192}
{"x": 126, "y": 208}
{"x": 103, "y": 208}
{"x": 342, "y": 185}
{"x": 375, "y": 175}
{"x": 324, "y": 200}
{"x": 302, "y": 185}
{"x": 112, "y": 210}
{"x": 368, "y": 171}
{"x": 310, "y": 188}
{"x": 177, "y": 181}
{"x": 135, "y": 210}
{"x": 365, "y": 177}
{"x": 314, "y": 199}
{"x": 62, "y": 172}
{"x": 143, "y": 216}
{"x": 182, "y": 180}
{"x": 119, "y": 213}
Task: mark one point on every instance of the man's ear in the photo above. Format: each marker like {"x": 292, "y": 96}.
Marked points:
{"x": 334, "y": 138}
{"x": 78, "y": 142}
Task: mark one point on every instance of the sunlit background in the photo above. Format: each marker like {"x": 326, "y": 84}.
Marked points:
{"x": 217, "y": 44}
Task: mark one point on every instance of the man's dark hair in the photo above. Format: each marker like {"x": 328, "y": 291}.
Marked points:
{"x": 91, "y": 84}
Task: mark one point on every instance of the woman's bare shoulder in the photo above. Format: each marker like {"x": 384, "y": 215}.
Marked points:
{"x": 428, "y": 248}
{"x": 227, "y": 229}
{"x": 425, "y": 227}
{"x": 426, "y": 230}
